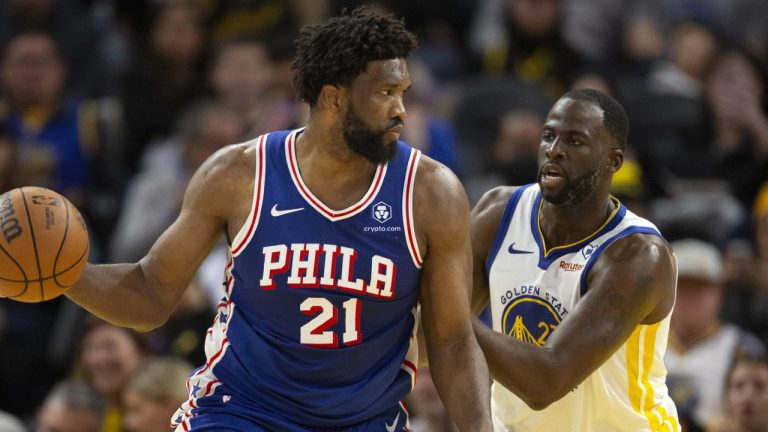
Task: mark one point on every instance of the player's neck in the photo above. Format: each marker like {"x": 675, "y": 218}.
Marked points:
{"x": 566, "y": 225}
{"x": 335, "y": 175}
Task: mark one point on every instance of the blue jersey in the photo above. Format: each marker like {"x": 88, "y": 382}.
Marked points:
{"x": 318, "y": 321}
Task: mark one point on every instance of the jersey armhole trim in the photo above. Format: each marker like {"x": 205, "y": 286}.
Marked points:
{"x": 245, "y": 234}
{"x": 596, "y": 255}
{"x": 408, "y": 221}
{"x": 506, "y": 219}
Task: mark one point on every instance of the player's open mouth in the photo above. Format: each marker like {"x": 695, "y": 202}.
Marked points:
{"x": 551, "y": 173}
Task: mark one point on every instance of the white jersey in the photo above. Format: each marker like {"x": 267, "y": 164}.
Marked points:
{"x": 533, "y": 288}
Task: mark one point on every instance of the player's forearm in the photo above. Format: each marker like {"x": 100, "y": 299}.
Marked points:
{"x": 122, "y": 295}
{"x": 461, "y": 377}
{"x": 524, "y": 369}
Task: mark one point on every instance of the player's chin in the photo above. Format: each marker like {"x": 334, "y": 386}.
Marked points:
{"x": 552, "y": 193}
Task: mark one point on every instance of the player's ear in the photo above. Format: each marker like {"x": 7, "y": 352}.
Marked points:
{"x": 615, "y": 160}
{"x": 331, "y": 98}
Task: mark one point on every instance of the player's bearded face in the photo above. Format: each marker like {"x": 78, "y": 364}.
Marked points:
{"x": 365, "y": 141}
{"x": 576, "y": 190}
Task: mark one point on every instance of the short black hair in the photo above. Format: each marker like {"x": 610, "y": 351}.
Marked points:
{"x": 339, "y": 50}
{"x": 615, "y": 118}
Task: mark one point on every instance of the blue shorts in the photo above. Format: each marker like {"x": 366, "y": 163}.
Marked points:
{"x": 222, "y": 418}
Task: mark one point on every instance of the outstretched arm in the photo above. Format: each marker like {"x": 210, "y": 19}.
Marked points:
{"x": 142, "y": 295}
{"x": 456, "y": 361}
{"x": 632, "y": 283}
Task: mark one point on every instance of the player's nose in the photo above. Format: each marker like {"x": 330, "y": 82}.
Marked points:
{"x": 553, "y": 149}
{"x": 398, "y": 109}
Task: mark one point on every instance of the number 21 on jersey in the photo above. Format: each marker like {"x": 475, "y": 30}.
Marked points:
{"x": 315, "y": 333}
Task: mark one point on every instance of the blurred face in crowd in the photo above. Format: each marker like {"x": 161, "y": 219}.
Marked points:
{"x": 747, "y": 396}
{"x": 692, "y": 48}
{"x": 110, "y": 355}
{"x": 697, "y": 306}
{"x": 56, "y": 417}
{"x": 142, "y": 414}
{"x": 218, "y": 129}
{"x": 242, "y": 73}
{"x": 535, "y": 18}
{"x": 32, "y": 71}
{"x": 733, "y": 87}
{"x": 177, "y": 35}
{"x": 519, "y": 134}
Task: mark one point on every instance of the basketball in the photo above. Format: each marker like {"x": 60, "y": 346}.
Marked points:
{"x": 43, "y": 244}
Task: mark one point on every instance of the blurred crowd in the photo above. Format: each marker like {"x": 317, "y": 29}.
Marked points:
{"x": 115, "y": 103}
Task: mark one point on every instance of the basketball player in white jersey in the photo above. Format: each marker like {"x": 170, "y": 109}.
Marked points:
{"x": 581, "y": 290}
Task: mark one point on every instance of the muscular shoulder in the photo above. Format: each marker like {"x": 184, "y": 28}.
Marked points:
{"x": 437, "y": 187}
{"x": 643, "y": 262}
{"x": 646, "y": 248}
{"x": 440, "y": 205}
{"x": 223, "y": 180}
{"x": 493, "y": 202}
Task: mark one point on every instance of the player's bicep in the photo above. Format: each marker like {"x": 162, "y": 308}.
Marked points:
{"x": 632, "y": 281}
{"x": 446, "y": 272}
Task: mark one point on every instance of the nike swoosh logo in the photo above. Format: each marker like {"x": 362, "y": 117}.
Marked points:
{"x": 512, "y": 250}
{"x": 275, "y": 212}
{"x": 391, "y": 428}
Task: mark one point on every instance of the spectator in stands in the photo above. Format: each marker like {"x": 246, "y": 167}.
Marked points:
{"x": 701, "y": 347}
{"x": 70, "y": 25}
{"x": 52, "y": 152}
{"x": 154, "y": 196}
{"x": 71, "y": 406}
{"x": 746, "y": 296}
{"x": 109, "y": 356}
{"x": 154, "y": 393}
{"x": 64, "y": 144}
{"x": 524, "y": 38}
{"x": 746, "y": 396}
{"x": 735, "y": 93}
{"x": 167, "y": 78}
{"x": 513, "y": 156}
{"x": 242, "y": 77}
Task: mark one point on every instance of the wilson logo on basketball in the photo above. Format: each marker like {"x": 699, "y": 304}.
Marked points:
{"x": 8, "y": 222}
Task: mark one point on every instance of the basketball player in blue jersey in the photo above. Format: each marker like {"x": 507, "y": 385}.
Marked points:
{"x": 337, "y": 233}
{"x": 580, "y": 289}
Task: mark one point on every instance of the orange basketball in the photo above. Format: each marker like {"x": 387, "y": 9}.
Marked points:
{"x": 43, "y": 244}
